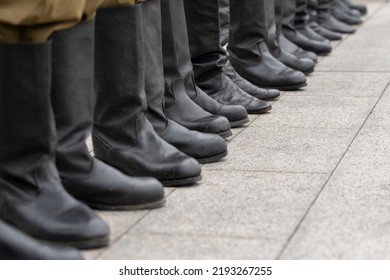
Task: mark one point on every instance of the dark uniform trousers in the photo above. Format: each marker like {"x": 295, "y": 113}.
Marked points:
{"x": 36, "y": 20}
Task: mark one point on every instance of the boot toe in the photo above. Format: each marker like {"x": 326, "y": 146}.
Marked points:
{"x": 216, "y": 124}
{"x": 273, "y": 94}
{"x": 258, "y": 107}
{"x": 187, "y": 173}
{"x": 307, "y": 65}
{"x": 148, "y": 192}
{"x": 236, "y": 114}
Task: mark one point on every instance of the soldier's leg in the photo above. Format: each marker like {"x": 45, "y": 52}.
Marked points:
{"x": 88, "y": 179}
{"x": 32, "y": 197}
{"x": 122, "y": 135}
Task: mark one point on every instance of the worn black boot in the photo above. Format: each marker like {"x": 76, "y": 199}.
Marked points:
{"x": 204, "y": 147}
{"x": 362, "y": 8}
{"x": 122, "y": 136}
{"x": 16, "y": 245}
{"x": 183, "y": 104}
{"x": 178, "y": 63}
{"x": 275, "y": 14}
{"x": 32, "y": 197}
{"x": 312, "y": 8}
{"x": 209, "y": 57}
{"x": 327, "y": 20}
{"x": 248, "y": 49}
{"x": 290, "y": 9}
{"x": 245, "y": 85}
{"x": 88, "y": 179}
{"x": 342, "y": 12}
{"x": 302, "y": 22}
{"x": 266, "y": 94}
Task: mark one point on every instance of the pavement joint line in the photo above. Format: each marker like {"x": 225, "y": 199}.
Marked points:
{"x": 289, "y": 239}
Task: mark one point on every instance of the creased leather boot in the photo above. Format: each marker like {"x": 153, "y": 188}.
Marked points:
{"x": 122, "y": 136}
{"x": 327, "y": 20}
{"x": 88, "y": 179}
{"x": 209, "y": 57}
{"x": 342, "y": 12}
{"x": 204, "y": 147}
{"x": 290, "y": 9}
{"x": 179, "y": 104}
{"x": 248, "y": 49}
{"x": 302, "y": 22}
{"x": 16, "y": 245}
{"x": 178, "y": 63}
{"x": 32, "y": 197}
{"x": 362, "y": 8}
{"x": 312, "y": 8}
{"x": 275, "y": 14}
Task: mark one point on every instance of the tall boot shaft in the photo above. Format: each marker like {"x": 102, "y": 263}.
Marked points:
{"x": 180, "y": 88}
{"x": 28, "y": 139}
{"x": 204, "y": 33}
{"x": 289, "y": 8}
{"x": 32, "y": 197}
{"x": 130, "y": 97}
{"x": 154, "y": 78}
{"x": 73, "y": 96}
{"x": 122, "y": 135}
{"x": 224, "y": 20}
{"x": 248, "y": 27}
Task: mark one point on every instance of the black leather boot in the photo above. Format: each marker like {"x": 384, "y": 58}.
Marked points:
{"x": 122, "y": 136}
{"x": 182, "y": 103}
{"x": 327, "y": 20}
{"x": 290, "y": 11}
{"x": 204, "y": 147}
{"x": 16, "y": 245}
{"x": 32, "y": 197}
{"x": 248, "y": 49}
{"x": 260, "y": 93}
{"x": 342, "y": 12}
{"x": 275, "y": 13}
{"x": 312, "y": 8}
{"x": 88, "y": 179}
{"x": 302, "y": 22}
{"x": 209, "y": 57}
{"x": 362, "y": 8}
{"x": 290, "y": 47}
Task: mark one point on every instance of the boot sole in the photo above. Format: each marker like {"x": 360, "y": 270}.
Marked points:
{"x": 261, "y": 111}
{"x": 144, "y": 206}
{"x": 213, "y": 158}
{"x": 181, "y": 182}
{"x": 226, "y": 134}
{"x": 95, "y": 243}
{"x": 239, "y": 123}
{"x": 289, "y": 87}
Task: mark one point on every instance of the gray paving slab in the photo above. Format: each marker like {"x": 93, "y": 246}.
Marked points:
{"x": 331, "y": 112}
{"x": 350, "y": 219}
{"x": 254, "y": 208}
{"x": 286, "y": 149}
{"x": 172, "y": 247}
